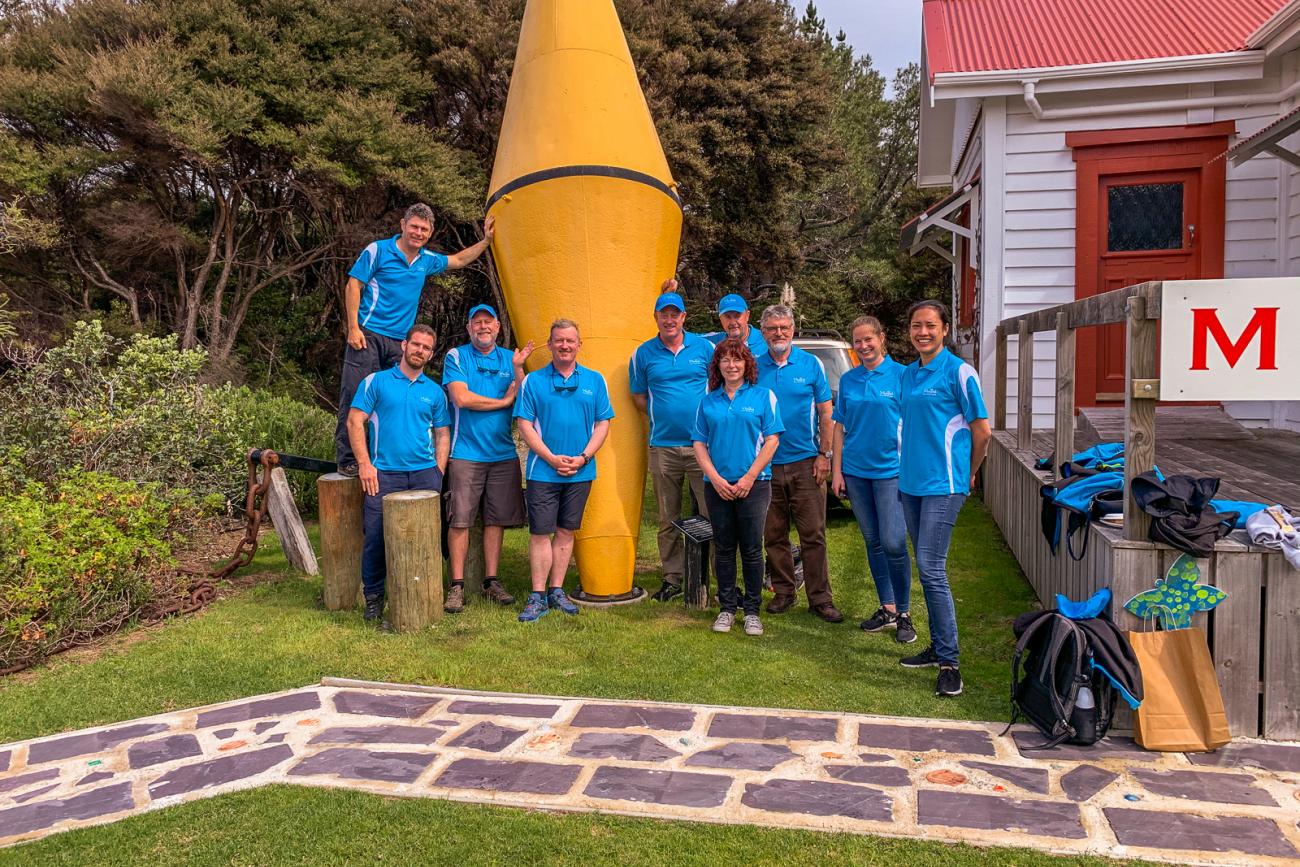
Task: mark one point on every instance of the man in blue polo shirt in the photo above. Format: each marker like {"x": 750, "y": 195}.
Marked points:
{"x": 800, "y": 467}
{"x": 733, "y": 314}
{"x": 380, "y": 301}
{"x": 563, "y": 411}
{"x": 481, "y": 379}
{"x": 668, "y": 374}
{"x": 406, "y": 413}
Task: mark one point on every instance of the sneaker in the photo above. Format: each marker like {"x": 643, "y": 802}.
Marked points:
{"x": 350, "y": 469}
{"x": 780, "y": 603}
{"x": 455, "y": 602}
{"x": 722, "y": 623}
{"x": 666, "y": 591}
{"x": 753, "y": 626}
{"x": 534, "y": 609}
{"x": 906, "y": 633}
{"x": 494, "y": 592}
{"x": 949, "y": 682}
{"x": 828, "y": 612}
{"x": 374, "y": 609}
{"x": 925, "y": 659}
{"x": 883, "y": 619}
{"x": 555, "y": 598}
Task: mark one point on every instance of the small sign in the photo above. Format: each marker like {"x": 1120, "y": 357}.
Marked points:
{"x": 1230, "y": 339}
{"x": 696, "y": 528}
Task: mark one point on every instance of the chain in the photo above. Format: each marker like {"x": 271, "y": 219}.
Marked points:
{"x": 254, "y": 512}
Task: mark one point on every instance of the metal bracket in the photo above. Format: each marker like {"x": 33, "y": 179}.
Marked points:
{"x": 1146, "y": 389}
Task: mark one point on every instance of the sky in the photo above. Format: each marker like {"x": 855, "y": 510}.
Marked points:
{"x": 888, "y": 30}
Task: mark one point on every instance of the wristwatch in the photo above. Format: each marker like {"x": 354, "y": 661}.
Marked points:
{"x": 828, "y": 454}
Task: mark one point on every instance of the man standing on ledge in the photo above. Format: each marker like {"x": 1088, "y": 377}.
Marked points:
{"x": 800, "y": 467}
{"x": 481, "y": 379}
{"x": 409, "y": 442}
{"x": 563, "y": 411}
{"x": 380, "y": 302}
{"x": 668, "y": 374}
{"x": 733, "y": 314}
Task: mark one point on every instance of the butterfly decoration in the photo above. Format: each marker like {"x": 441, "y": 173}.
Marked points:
{"x": 1176, "y": 596}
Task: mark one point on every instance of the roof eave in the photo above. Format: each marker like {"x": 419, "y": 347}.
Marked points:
{"x": 1279, "y": 31}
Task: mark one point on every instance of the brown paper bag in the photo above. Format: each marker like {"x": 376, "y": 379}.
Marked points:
{"x": 1182, "y": 707}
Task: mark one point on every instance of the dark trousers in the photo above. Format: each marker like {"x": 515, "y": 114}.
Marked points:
{"x": 738, "y": 524}
{"x": 374, "y": 568}
{"x": 797, "y": 499}
{"x": 380, "y": 353}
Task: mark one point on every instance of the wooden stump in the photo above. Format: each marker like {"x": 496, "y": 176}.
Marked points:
{"x": 475, "y": 567}
{"x": 288, "y": 524}
{"x": 341, "y": 537}
{"x": 412, "y": 530}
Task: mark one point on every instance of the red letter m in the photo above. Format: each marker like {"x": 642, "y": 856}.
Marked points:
{"x": 1205, "y": 321}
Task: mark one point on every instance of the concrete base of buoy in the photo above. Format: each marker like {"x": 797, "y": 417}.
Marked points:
{"x": 636, "y": 594}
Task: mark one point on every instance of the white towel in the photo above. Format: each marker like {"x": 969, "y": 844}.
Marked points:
{"x": 1274, "y": 528}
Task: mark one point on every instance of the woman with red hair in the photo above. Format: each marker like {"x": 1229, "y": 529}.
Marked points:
{"x": 735, "y": 435}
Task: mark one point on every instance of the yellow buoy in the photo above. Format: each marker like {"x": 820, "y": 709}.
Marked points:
{"x": 588, "y": 227}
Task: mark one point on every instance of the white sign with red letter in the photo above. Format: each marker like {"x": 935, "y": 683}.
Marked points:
{"x": 1230, "y": 339}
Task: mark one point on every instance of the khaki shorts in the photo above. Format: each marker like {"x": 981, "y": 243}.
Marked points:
{"x": 495, "y": 487}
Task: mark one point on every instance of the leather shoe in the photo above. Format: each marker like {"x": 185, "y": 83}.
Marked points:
{"x": 828, "y": 612}
{"x": 780, "y": 604}
{"x": 666, "y": 592}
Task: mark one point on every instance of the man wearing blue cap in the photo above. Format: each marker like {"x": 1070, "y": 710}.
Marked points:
{"x": 733, "y": 314}
{"x": 668, "y": 375}
{"x": 482, "y": 379}
{"x": 380, "y": 301}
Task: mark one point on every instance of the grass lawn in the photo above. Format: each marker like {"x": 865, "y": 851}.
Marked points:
{"x": 276, "y": 635}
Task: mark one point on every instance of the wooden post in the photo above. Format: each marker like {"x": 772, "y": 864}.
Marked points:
{"x": 1025, "y": 389}
{"x": 1140, "y": 412}
{"x": 1064, "y": 390}
{"x": 288, "y": 524}
{"x": 412, "y": 532}
{"x": 1000, "y": 380}
{"x": 341, "y": 538}
{"x": 475, "y": 566}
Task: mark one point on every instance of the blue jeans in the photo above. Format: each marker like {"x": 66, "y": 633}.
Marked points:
{"x": 374, "y": 568}
{"x": 929, "y": 522}
{"x": 880, "y": 518}
{"x": 739, "y": 524}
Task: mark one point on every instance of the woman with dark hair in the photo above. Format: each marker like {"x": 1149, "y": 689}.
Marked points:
{"x": 944, "y": 438}
{"x": 868, "y": 414}
{"x": 735, "y": 435}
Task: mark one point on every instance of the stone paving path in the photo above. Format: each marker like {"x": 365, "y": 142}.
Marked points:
{"x": 925, "y": 779}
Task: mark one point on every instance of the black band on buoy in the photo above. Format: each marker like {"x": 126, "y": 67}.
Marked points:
{"x": 583, "y": 171}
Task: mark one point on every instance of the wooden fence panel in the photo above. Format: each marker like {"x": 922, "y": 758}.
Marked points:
{"x": 1235, "y": 639}
{"x": 1281, "y": 650}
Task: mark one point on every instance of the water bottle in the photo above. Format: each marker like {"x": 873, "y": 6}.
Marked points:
{"x": 1084, "y": 718}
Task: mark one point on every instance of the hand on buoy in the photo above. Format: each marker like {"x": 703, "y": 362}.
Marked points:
{"x": 489, "y": 228}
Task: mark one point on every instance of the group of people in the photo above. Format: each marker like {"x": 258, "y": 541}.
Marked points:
{"x": 742, "y": 416}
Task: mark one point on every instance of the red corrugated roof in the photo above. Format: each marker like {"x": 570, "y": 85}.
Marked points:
{"x": 982, "y": 35}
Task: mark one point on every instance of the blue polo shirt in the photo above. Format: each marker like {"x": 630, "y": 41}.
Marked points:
{"x": 403, "y": 414}
{"x": 564, "y": 412}
{"x": 869, "y": 406}
{"x": 673, "y": 383}
{"x": 799, "y": 385}
{"x": 733, "y": 428}
{"x": 940, "y": 400}
{"x": 754, "y": 341}
{"x": 391, "y": 287}
{"x": 476, "y": 434}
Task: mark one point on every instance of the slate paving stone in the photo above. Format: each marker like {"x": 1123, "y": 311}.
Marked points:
{"x": 224, "y": 733}
{"x": 264, "y": 726}
{"x": 393, "y": 734}
{"x": 773, "y": 728}
{"x": 202, "y": 775}
{"x": 1207, "y": 786}
{"x": 365, "y": 765}
{"x": 92, "y": 742}
{"x": 872, "y": 775}
{"x": 493, "y": 708}
{"x": 874, "y": 757}
{"x": 1085, "y": 781}
{"x": 35, "y": 793}
{"x": 996, "y": 813}
{"x": 15, "y": 783}
{"x": 743, "y": 756}
{"x": 618, "y": 745}
{"x": 398, "y": 706}
{"x": 677, "y": 788}
{"x": 4, "y": 761}
{"x": 819, "y": 799}
{"x": 275, "y": 739}
{"x": 97, "y": 776}
{"x": 919, "y": 739}
{"x": 146, "y": 753}
{"x": 1270, "y": 757}
{"x": 1030, "y": 779}
{"x": 487, "y": 736}
{"x": 250, "y": 710}
{"x": 626, "y": 716}
{"x": 1106, "y": 748}
{"x": 43, "y": 814}
{"x": 1181, "y": 831}
{"x": 535, "y": 778}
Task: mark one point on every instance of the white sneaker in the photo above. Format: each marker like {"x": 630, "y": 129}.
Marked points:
{"x": 724, "y": 621}
{"x": 753, "y": 626}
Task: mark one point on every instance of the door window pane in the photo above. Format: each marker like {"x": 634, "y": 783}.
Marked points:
{"x": 1144, "y": 217}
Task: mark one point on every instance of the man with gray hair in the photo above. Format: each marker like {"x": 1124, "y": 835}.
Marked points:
{"x": 380, "y": 301}
{"x": 800, "y": 467}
